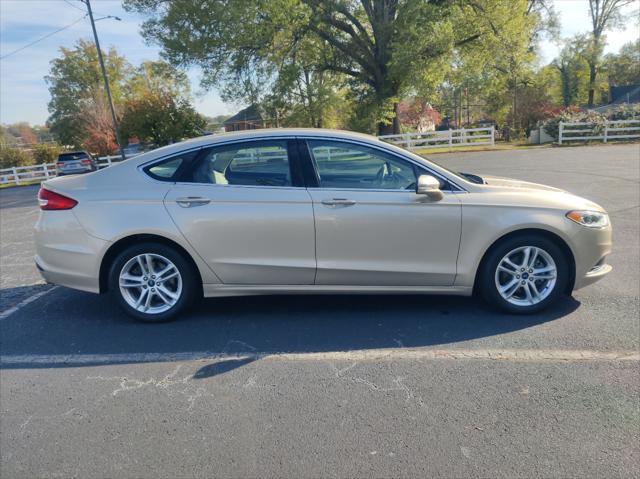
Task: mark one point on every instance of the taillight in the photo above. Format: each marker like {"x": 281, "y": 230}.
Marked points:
{"x": 85, "y": 162}
{"x": 49, "y": 200}
{"x": 59, "y": 164}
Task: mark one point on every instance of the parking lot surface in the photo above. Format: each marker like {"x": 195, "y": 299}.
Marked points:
{"x": 331, "y": 386}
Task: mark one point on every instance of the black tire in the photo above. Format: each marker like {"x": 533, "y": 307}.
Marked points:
{"x": 190, "y": 287}
{"x": 486, "y": 277}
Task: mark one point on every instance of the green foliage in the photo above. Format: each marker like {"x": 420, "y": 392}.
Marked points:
{"x": 574, "y": 114}
{"x": 289, "y": 54}
{"x": 45, "y": 153}
{"x": 624, "y": 112}
{"x": 10, "y": 157}
{"x": 80, "y": 114}
{"x": 623, "y": 68}
{"x": 74, "y": 81}
{"x": 161, "y": 119}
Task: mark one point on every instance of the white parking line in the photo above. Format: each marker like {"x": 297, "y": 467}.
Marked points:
{"x": 8, "y": 312}
{"x": 391, "y": 354}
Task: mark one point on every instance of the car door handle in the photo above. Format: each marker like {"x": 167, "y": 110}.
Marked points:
{"x": 190, "y": 201}
{"x": 338, "y": 202}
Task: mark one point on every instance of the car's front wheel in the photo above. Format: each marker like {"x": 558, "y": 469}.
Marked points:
{"x": 152, "y": 282}
{"x": 524, "y": 274}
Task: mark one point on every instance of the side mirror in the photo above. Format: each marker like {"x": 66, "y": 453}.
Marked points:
{"x": 430, "y": 186}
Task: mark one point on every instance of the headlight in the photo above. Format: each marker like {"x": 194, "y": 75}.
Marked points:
{"x": 590, "y": 219}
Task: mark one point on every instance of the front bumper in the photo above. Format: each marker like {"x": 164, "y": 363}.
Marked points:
{"x": 591, "y": 248}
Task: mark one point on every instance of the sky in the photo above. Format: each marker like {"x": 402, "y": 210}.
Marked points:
{"x": 23, "y": 91}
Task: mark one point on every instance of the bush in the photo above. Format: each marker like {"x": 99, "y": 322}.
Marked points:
{"x": 46, "y": 153}
{"x": 624, "y": 112}
{"x": 572, "y": 114}
{"x": 10, "y": 157}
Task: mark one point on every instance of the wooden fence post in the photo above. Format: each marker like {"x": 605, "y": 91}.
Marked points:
{"x": 450, "y": 138}
{"x": 46, "y": 170}
{"x": 606, "y": 131}
{"x": 15, "y": 175}
{"x": 493, "y": 135}
{"x": 560, "y": 128}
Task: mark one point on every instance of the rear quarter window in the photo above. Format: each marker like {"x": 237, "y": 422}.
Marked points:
{"x": 169, "y": 169}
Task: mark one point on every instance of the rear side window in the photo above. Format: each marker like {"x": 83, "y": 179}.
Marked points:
{"x": 80, "y": 155}
{"x": 169, "y": 168}
{"x": 259, "y": 163}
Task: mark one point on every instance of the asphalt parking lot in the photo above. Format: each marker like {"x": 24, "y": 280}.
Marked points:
{"x": 331, "y": 386}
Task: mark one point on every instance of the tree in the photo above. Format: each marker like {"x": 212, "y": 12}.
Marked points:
{"x": 157, "y": 77}
{"x": 10, "y": 157}
{"x": 380, "y": 50}
{"x": 99, "y": 135}
{"x": 623, "y": 68}
{"x": 571, "y": 66}
{"x": 160, "y": 118}
{"x": 605, "y": 15}
{"x": 45, "y": 153}
{"x": 75, "y": 81}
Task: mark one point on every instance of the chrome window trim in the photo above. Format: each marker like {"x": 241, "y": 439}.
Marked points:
{"x": 140, "y": 168}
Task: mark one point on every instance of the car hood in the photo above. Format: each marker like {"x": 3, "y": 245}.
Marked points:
{"x": 517, "y": 184}
{"x": 516, "y": 193}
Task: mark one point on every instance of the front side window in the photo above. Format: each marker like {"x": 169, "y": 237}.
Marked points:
{"x": 347, "y": 165}
{"x": 264, "y": 163}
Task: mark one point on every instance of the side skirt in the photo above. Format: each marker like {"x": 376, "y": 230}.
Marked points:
{"x": 221, "y": 290}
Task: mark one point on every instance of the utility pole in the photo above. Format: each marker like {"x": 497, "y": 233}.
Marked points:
{"x": 105, "y": 77}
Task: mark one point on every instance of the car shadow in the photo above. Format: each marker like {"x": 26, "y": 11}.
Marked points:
{"x": 75, "y": 324}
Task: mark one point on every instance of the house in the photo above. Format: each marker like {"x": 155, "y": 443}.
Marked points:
{"x": 248, "y": 119}
{"x": 620, "y": 95}
{"x": 624, "y": 94}
{"x": 418, "y": 115}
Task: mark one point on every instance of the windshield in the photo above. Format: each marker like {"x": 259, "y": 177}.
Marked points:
{"x": 464, "y": 176}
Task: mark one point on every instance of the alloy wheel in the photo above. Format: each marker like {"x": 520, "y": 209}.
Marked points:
{"x": 150, "y": 283}
{"x": 526, "y": 276}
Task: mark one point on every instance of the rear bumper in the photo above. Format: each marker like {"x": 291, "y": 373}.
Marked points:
{"x": 65, "y": 253}
{"x": 75, "y": 171}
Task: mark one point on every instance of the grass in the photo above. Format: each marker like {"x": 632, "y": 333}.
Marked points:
{"x": 517, "y": 146}
{"x": 496, "y": 147}
{"x": 22, "y": 183}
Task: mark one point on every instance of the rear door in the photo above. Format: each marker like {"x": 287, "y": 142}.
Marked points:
{"x": 372, "y": 229}
{"x": 244, "y": 210}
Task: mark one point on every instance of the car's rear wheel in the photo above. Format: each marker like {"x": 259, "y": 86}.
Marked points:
{"x": 152, "y": 282}
{"x": 524, "y": 274}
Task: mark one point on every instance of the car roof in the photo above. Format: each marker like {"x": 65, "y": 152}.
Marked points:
{"x": 262, "y": 133}
{"x": 279, "y": 132}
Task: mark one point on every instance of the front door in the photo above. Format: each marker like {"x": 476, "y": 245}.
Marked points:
{"x": 372, "y": 229}
{"x": 243, "y": 212}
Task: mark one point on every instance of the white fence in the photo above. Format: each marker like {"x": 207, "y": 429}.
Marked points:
{"x": 446, "y": 138}
{"x": 26, "y": 174}
{"x": 612, "y": 130}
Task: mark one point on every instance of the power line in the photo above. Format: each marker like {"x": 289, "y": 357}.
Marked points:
{"x": 42, "y": 38}
{"x": 74, "y": 5}
{"x": 82, "y": 9}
